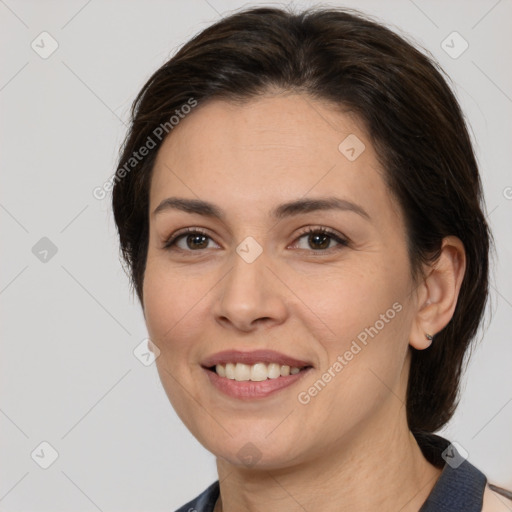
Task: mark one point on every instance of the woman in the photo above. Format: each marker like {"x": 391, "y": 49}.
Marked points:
{"x": 300, "y": 209}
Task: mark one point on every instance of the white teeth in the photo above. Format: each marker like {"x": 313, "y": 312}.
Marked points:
{"x": 221, "y": 370}
{"x": 259, "y": 372}
{"x": 274, "y": 371}
{"x": 242, "y": 371}
{"x": 230, "y": 370}
{"x": 256, "y": 372}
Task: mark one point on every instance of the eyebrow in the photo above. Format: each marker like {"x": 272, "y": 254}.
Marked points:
{"x": 284, "y": 210}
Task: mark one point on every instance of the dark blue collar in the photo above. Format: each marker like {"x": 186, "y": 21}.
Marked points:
{"x": 460, "y": 487}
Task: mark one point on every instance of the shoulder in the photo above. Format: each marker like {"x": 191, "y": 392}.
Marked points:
{"x": 496, "y": 501}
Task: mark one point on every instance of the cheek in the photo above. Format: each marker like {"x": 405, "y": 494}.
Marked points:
{"x": 167, "y": 299}
{"x": 159, "y": 308}
{"x": 365, "y": 319}
{"x": 348, "y": 300}
{"x": 173, "y": 313}
{"x": 177, "y": 306}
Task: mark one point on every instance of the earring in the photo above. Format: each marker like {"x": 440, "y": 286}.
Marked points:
{"x": 429, "y": 337}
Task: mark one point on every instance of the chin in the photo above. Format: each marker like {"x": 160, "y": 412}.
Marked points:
{"x": 254, "y": 450}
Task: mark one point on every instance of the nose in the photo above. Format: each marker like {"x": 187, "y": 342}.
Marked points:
{"x": 250, "y": 296}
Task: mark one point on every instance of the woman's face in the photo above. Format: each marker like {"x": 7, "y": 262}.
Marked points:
{"x": 340, "y": 304}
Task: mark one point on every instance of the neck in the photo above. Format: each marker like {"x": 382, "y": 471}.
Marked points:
{"x": 373, "y": 469}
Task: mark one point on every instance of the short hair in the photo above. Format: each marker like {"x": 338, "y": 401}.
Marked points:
{"x": 411, "y": 115}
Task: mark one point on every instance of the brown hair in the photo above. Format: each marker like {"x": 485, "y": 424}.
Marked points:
{"x": 412, "y": 117}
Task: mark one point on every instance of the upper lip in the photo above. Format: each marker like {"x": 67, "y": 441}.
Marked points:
{"x": 253, "y": 357}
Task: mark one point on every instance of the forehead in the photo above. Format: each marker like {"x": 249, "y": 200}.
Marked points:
{"x": 269, "y": 149}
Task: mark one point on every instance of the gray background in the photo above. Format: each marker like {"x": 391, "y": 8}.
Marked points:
{"x": 68, "y": 375}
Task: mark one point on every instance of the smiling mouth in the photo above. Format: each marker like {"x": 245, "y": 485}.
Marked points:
{"x": 256, "y": 372}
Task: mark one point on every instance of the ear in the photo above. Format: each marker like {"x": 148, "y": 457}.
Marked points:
{"x": 438, "y": 293}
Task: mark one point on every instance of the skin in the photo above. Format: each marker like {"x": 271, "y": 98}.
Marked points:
{"x": 296, "y": 298}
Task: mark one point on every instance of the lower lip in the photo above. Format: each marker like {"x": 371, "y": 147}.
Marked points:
{"x": 250, "y": 389}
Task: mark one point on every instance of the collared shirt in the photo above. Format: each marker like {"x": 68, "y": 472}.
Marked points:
{"x": 459, "y": 488}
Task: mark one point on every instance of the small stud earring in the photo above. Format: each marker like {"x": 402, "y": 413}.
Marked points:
{"x": 429, "y": 336}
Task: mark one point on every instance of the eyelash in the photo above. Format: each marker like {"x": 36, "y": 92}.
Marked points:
{"x": 343, "y": 242}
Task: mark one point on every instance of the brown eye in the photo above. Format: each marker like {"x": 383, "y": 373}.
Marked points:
{"x": 320, "y": 240}
{"x": 317, "y": 240}
{"x": 191, "y": 240}
{"x": 197, "y": 241}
